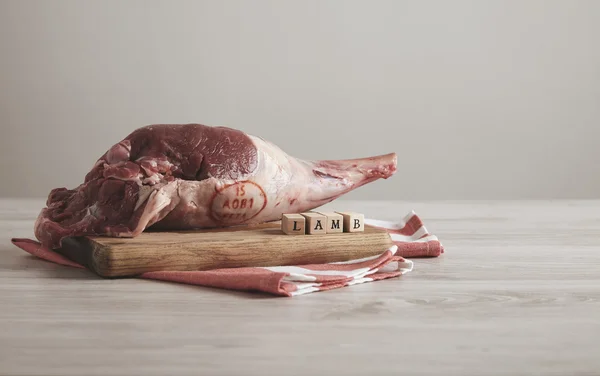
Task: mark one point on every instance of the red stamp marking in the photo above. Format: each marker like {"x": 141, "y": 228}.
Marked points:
{"x": 237, "y": 203}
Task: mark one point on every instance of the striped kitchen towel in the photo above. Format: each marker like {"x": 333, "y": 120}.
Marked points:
{"x": 410, "y": 237}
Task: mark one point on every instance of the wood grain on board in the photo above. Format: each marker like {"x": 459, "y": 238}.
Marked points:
{"x": 262, "y": 245}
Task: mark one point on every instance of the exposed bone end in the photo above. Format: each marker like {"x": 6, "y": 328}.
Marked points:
{"x": 335, "y": 178}
{"x": 358, "y": 170}
{"x": 382, "y": 166}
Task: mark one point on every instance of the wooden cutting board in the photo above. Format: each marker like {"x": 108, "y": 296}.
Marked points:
{"x": 263, "y": 245}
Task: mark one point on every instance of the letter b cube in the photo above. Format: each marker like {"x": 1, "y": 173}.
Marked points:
{"x": 353, "y": 222}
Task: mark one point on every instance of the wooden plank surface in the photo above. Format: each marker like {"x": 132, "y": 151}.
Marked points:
{"x": 517, "y": 293}
{"x": 233, "y": 247}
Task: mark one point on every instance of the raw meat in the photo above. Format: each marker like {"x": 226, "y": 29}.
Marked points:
{"x": 184, "y": 176}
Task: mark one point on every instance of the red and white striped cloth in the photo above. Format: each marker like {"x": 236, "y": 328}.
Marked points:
{"x": 410, "y": 237}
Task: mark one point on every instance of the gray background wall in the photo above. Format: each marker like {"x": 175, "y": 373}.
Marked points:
{"x": 481, "y": 99}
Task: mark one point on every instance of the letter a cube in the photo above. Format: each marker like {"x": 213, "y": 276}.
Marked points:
{"x": 315, "y": 223}
{"x": 334, "y": 222}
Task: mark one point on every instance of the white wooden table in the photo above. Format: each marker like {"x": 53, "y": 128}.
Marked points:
{"x": 516, "y": 293}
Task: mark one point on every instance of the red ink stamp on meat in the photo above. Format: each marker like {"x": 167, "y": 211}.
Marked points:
{"x": 238, "y": 203}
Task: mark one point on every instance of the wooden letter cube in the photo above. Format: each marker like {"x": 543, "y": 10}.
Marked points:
{"x": 315, "y": 223}
{"x": 293, "y": 224}
{"x": 335, "y": 222}
{"x": 353, "y": 222}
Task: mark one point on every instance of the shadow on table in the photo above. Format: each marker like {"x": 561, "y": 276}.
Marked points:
{"x": 70, "y": 273}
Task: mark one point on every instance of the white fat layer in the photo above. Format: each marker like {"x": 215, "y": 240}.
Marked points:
{"x": 153, "y": 179}
{"x": 165, "y": 197}
{"x": 143, "y": 195}
{"x": 93, "y": 210}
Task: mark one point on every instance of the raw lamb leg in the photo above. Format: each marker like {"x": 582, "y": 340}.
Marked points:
{"x": 176, "y": 177}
